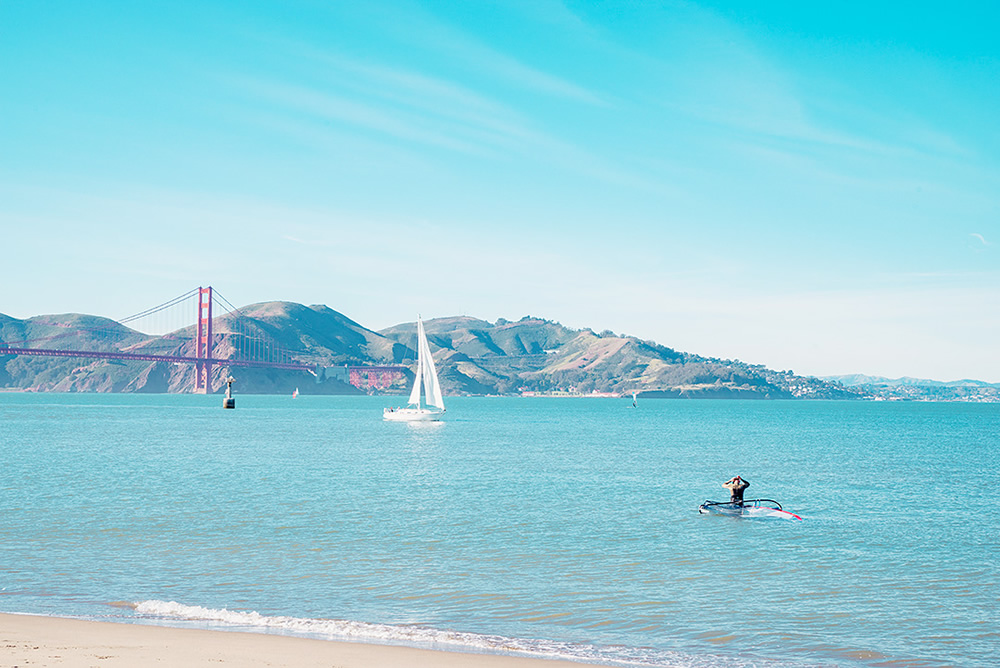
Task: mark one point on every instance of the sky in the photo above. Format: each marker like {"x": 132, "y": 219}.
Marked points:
{"x": 809, "y": 186}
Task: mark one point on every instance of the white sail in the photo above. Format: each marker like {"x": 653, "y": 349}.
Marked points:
{"x": 432, "y": 388}
{"x": 418, "y": 379}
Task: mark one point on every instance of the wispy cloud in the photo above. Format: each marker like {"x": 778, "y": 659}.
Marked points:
{"x": 400, "y": 124}
{"x": 401, "y": 107}
{"x": 435, "y": 34}
{"x": 982, "y": 242}
{"x": 751, "y": 94}
{"x": 422, "y": 32}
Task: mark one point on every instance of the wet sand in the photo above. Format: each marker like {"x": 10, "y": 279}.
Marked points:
{"x": 27, "y": 641}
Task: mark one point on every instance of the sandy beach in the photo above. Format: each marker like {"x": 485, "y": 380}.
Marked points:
{"x": 27, "y": 640}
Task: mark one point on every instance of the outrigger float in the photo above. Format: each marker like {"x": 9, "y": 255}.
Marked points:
{"x": 747, "y": 508}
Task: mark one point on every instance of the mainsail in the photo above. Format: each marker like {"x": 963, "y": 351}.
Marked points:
{"x": 426, "y": 376}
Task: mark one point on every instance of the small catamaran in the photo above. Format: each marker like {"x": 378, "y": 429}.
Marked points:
{"x": 425, "y": 384}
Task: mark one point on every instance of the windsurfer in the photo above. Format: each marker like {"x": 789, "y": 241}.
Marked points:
{"x": 736, "y": 486}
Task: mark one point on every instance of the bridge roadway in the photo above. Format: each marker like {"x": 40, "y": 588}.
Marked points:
{"x": 147, "y": 357}
{"x": 177, "y": 359}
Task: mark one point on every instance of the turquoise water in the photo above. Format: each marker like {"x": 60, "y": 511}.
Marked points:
{"x": 557, "y": 527}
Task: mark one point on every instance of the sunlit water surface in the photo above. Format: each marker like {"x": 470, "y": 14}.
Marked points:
{"x": 557, "y": 527}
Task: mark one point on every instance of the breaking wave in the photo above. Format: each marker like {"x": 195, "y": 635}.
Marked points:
{"x": 417, "y": 636}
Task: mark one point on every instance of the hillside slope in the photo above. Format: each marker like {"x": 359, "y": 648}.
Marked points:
{"x": 474, "y": 356}
{"x": 536, "y": 355}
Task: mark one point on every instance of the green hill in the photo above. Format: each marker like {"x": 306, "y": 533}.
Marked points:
{"x": 541, "y": 356}
{"x": 531, "y": 355}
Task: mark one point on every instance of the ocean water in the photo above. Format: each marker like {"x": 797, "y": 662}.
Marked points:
{"x": 552, "y": 527}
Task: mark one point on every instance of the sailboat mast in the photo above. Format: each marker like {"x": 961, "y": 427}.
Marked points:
{"x": 420, "y": 362}
{"x": 418, "y": 380}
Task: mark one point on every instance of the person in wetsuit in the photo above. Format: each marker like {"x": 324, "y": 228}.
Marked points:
{"x": 736, "y": 486}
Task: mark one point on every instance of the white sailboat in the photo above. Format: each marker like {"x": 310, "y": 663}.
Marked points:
{"x": 424, "y": 385}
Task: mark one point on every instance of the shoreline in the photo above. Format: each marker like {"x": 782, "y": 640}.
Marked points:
{"x": 38, "y": 640}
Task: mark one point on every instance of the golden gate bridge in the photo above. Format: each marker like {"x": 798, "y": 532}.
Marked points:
{"x": 232, "y": 340}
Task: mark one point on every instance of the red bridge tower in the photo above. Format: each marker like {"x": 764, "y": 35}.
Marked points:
{"x": 203, "y": 342}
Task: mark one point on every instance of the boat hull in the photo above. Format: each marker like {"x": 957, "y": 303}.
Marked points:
{"x": 411, "y": 415}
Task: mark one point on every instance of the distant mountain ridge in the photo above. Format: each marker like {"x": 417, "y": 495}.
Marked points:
{"x": 919, "y": 389}
{"x": 474, "y": 356}
{"x": 858, "y": 379}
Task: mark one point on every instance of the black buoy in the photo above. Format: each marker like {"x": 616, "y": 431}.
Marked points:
{"x": 229, "y": 401}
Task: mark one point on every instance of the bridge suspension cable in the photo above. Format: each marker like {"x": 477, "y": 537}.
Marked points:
{"x": 250, "y": 340}
{"x": 162, "y": 307}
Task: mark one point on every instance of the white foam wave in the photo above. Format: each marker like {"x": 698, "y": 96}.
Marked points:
{"x": 335, "y": 629}
{"x": 344, "y": 629}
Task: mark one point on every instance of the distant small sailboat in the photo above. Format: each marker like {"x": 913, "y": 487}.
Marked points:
{"x": 634, "y": 404}
{"x": 295, "y": 393}
{"x": 425, "y": 385}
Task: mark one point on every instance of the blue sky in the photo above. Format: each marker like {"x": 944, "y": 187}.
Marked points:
{"x": 809, "y": 188}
